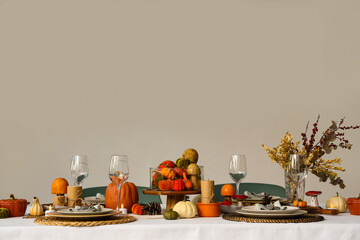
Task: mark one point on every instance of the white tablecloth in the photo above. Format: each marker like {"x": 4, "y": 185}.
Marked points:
{"x": 342, "y": 226}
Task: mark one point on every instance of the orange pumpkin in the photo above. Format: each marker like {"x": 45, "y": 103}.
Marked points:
{"x": 166, "y": 185}
{"x": 299, "y": 203}
{"x": 138, "y": 209}
{"x": 59, "y": 186}
{"x": 227, "y": 190}
{"x": 168, "y": 173}
{"x": 188, "y": 183}
{"x": 179, "y": 172}
{"x": 179, "y": 185}
{"x": 128, "y": 196}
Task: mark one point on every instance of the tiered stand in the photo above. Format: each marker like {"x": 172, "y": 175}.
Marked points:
{"x": 172, "y": 197}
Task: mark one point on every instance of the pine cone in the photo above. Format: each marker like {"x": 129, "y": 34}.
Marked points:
{"x": 266, "y": 199}
{"x": 152, "y": 208}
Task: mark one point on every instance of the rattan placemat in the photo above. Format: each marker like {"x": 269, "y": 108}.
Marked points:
{"x": 31, "y": 216}
{"x": 303, "y": 219}
{"x": 71, "y": 223}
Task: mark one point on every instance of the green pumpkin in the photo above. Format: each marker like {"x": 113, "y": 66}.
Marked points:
{"x": 156, "y": 179}
{"x": 4, "y": 213}
{"x": 182, "y": 163}
{"x": 171, "y": 215}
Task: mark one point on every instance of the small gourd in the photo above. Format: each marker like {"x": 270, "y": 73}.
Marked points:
{"x": 179, "y": 185}
{"x": 185, "y": 209}
{"x": 194, "y": 171}
{"x": 138, "y": 209}
{"x": 36, "y": 209}
{"x": 188, "y": 183}
{"x": 299, "y": 203}
{"x": 337, "y": 202}
{"x": 171, "y": 215}
{"x": 168, "y": 173}
{"x": 4, "y": 212}
{"x": 166, "y": 185}
{"x": 182, "y": 162}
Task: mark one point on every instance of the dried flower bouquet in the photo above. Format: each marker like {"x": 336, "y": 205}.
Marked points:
{"x": 332, "y": 138}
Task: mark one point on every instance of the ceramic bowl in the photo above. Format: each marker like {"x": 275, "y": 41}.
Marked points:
{"x": 17, "y": 207}
{"x": 354, "y": 206}
{"x": 208, "y": 209}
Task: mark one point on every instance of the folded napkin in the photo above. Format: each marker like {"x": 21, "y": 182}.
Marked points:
{"x": 90, "y": 208}
{"x": 254, "y": 195}
{"x": 275, "y": 206}
{"x": 99, "y": 195}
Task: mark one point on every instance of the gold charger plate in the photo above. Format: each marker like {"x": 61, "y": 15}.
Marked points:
{"x": 82, "y": 217}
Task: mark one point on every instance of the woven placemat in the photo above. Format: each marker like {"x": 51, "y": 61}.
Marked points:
{"x": 303, "y": 219}
{"x": 71, "y": 223}
{"x": 31, "y": 216}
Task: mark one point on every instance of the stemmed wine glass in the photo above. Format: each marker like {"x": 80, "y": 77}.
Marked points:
{"x": 118, "y": 172}
{"x": 79, "y": 169}
{"x": 237, "y": 169}
{"x": 297, "y": 172}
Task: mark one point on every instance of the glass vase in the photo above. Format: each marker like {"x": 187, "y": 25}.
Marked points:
{"x": 293, "y": 192}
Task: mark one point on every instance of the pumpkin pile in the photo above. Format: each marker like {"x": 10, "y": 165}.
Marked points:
{"x": 183, "y": 174}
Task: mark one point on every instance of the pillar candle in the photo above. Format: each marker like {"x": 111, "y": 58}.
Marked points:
{"x": 74, "y": 194}
{"x": 207, "y": 191}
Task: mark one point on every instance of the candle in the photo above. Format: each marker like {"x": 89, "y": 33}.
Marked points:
{"x": 74, "y": 194}
{"x": 207, "y": 191}
{"x": 123, "y": 210}
{"x": 49, "y": 211}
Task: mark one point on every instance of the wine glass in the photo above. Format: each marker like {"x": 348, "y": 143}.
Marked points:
{"x": 297, "y": 172}
{"x": 237, "y": 169}
{"x": 79, "y": 169}
{"x": 118, "y": 172}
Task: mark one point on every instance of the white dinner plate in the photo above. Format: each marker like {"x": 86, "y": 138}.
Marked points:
{"x": 253, "y": 209}
{"x": 83, "y": 217}
{"x": 68, "y": 212}
{"x": 267, "y": 215}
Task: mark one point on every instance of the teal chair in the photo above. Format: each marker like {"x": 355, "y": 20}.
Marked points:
{"x": 144, "y": 198}
{"x": 271, "y": 189}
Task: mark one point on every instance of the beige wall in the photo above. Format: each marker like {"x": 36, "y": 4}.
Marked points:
{"x": 150, "y": 78}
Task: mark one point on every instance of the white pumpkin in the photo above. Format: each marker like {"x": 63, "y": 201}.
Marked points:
{"x": 337, "y": 202}
{"x": 185, "y": 209}
{"x": 36, "y": 209}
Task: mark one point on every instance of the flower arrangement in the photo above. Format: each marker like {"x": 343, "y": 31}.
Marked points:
{"x": 332, "y": 138}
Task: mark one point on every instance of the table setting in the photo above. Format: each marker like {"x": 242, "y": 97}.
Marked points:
{"x": 183, "y": 178}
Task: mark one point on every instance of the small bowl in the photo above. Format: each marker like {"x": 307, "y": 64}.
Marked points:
{"x": 208, "y": 209}
{"x": 354, "y": 206}
{"x": 228, "y": 208}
